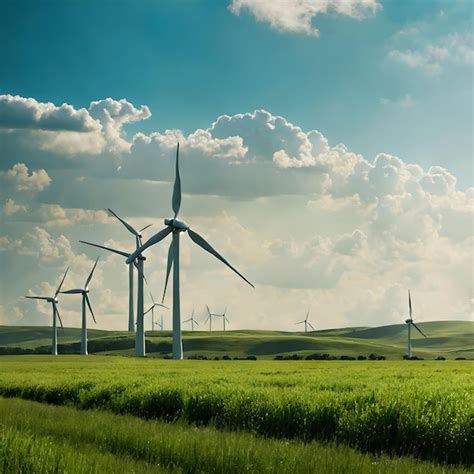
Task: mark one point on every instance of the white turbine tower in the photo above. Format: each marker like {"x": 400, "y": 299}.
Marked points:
{"x": 175, "y": 226}
{"x": 85, "y": 300}
{"x": 411, "y": 323}
{"x": 54, "y": 302}
{"x": 210, "y": 316}
{"x": 137, "y": 260}
{"x": 192, "y": 321}
{"x": 152, "y": 309}
{"x": 306, "y": 323}
{"x": 138, "y": 242}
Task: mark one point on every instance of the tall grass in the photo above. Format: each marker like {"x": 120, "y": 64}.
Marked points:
{"x": 424, "y": 411}
{"x": 43, "y": 436}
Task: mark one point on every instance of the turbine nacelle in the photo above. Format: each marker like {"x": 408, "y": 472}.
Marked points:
{"x": 177, "y": 224}
{"x": 408, "y": 320}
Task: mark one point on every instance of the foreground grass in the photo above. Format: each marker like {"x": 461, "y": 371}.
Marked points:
{"x": 42, "y": 439}
{"x": 420, "y": 409}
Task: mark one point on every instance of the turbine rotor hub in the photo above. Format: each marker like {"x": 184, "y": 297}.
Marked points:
{"x": 178, "y": 225}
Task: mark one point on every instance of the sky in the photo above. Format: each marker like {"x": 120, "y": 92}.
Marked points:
{"x": 326, "y": 152}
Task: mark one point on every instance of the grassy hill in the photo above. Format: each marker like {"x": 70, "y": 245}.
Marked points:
{"x": 445, "y": 338}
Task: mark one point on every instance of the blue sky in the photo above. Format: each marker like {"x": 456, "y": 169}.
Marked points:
{"x": 351, "y": 183}
{"x": 193, "y": 61}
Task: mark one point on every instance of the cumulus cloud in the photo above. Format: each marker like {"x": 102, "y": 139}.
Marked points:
{"x": 10, "y": 207}
{"x": 24, "y": 180}
{"x": 21, "y": 112}
{"x": 296, "y": 16}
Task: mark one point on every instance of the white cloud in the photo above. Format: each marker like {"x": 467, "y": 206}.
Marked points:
{"x": 20, "y": 176}
{"x": 21, "y": 112}
{"x": 404, "y": 102}
{"x": 10, "y": 207}
{"x": 296, "y": 16}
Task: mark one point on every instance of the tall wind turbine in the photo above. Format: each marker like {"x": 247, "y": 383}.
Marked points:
{"x": 175, "y": 226}
{"x": 223, "y": 316}
{"x": 306, "y": 323}
{"x": 85, "y": 300}
{"x": 411, "y": 323}
{"x": 192, "y": 321}
{"x": 137, "y": 260}
{"x": 54, "y": 302}
{"x": 152, "y": 309}
{"x": 138, "y": 242}
{"x": 210, "y": 316}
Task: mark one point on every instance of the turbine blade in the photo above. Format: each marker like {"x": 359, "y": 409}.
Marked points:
{"x": 146, "y": 227}
{"x": 418, "y": 329}
{"x": 125, "y": 254}
{"x": 186, "y": 321}
{"x": 168, "y": 269}
{"x": 300, "y": 322}
{"x": 59, "y": 317}
{"x": 196, "y": 238}
{"x": 148, "y": 310}
{"x": 307, "y": 316}
{"x": 45, "y": 298}
{"x": 73, "y": 292}
{"x": 126, "y": 224}
{"x": 151, "y": 241}
{"x": 90, "y": 307}
{"x": 152, "y": 299}
{"x": 161, "y": 305}
{"x": 195, "y": 322}
{"x": 208, "y": 311}
{"x": 227, "y": 319}
{"x": 310, "y": 325}
{"x": 61, "y": 284}
{"x": 89, "y": 278}
{"x": 176, "y": 200}
{"x": 409, "y": 303}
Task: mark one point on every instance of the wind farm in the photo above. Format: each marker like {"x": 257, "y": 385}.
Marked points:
{"x": 236, "y": 237}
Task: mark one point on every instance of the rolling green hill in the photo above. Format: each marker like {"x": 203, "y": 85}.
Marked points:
{"x": 450, "y": 339}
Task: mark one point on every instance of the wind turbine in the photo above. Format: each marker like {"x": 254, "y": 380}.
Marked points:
{"x": 223, "y": 316}
{"x": 54, "y": 301}
{"x": 160, "y": 323}
{"x": 85, "y": 300}
{"x": 306, "y": 323}
{"x": 152, "y": 309}
{"x": 411, "y": 323}
{"x": 210, "y": 316}
{"x": 192, "y": 321}
{"x": 140, "y": 334}
{"x": 138, "y": 242}
{"x": 175, "y": 226}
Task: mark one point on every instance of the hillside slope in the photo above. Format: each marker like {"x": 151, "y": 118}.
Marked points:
{"x": 445, "y": 338}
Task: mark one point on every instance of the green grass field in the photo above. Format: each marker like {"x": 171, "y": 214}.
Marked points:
{"x": 449, "y": 339}
{"x": 421, "y": 410}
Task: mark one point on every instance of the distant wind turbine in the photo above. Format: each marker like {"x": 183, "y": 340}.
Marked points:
{"x": 210, "y": 316}
{"x": 85, "y": 300}
{"x": 175, "y": 226}
{"x": 192, "y": 321}
{"x": 138, "y": 242}
{"x": 306, "y": 323}
{"x": 54, "y": 302}
{"x": 224, "y": 317}
{"x": 160, "y": 323}
{"x": 411, "y": 323}
{"x": 137, "y": 260}
{"x": 152, "y": 309}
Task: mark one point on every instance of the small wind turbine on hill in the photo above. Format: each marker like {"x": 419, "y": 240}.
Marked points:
{"x": 85, "y": 300}
{"x": 137, "y": 260}
{"x": 54, "y": 302}
{"x": 175, "y": 226}
{"x": 152, "y": 309}
{"x": 192, "y": 321}
{"x": 210, "y": 316}
{"x": 411, "y": 323}
{"x": 306, "y": 323}
{"x": 224, "y": 317}
{"x": 160, "y": 323}
{"x": 138, "y": 242}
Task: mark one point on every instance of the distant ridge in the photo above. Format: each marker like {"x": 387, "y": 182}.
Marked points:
{"x": 449, "y": 339}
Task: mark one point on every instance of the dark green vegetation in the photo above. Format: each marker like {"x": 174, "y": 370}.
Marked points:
{"x": 422, "y": 409}
{"x": 43, "y": 439}
{"x": 448, "y": 339}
